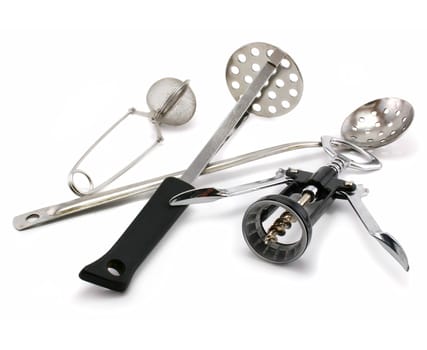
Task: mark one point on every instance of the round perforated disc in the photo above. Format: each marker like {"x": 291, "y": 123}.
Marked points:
{"x": 284, "y": 89}
{"x": 184, "y": 108}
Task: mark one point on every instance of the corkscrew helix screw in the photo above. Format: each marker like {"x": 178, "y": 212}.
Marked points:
{"x": 285, "y": 220}
{"x": 338, "y": 163}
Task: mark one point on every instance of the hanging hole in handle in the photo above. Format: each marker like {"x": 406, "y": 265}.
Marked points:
{"x": 116, "y": 267}
{"x": 81, "y": 184}
{"x": 32, "y": 218}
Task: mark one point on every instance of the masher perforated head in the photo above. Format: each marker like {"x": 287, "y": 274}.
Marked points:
{"x": 378, "y": 123}
{"x": 283, "y": 90}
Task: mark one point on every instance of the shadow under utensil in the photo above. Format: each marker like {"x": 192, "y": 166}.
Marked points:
{"x": 381, "y": 257}
{"x": 300, "y": 266}
{"x": 92, "y": 292}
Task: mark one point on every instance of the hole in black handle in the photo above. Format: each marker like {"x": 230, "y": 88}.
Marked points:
{"x": 116, "y": 267}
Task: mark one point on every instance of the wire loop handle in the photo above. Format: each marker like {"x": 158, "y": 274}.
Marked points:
{"x": 156, "y": 116}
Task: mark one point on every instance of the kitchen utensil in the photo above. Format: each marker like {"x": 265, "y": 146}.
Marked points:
{"x": 385, "y": 239}
{"x": 115, "y": 269}
{"x": 304, "y": 200}
{"x": 62, "y": 210}
{"x": 378, "y": 123}
{"x": 170, "y": 101}
{"x": 372, "y": 125}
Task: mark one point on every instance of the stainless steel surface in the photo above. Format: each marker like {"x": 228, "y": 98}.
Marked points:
{"x": 170, "y": 100}
{"x": 378, "y": 122}
{"x": 211, "y": 194}
{"x": 306, "y": 197}
{"x": 386, "y": 240}
{"x": 312, "y": 190}
{"x": 335, "y": 146}
{"x": 339, "y": 163}
{"x": 331, "y": 145}
{"x": 235, "y": 118}
{"x": 280, "y": 95}
{"x": 62, "y": 210}
{"x": 54, "y": 212}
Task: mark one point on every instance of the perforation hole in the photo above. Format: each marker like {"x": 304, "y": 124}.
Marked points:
{"x": 361, "y": 119}
{"x": 293, "y": 92}
{"x": 248, "y": 79}
{"x": 256, "y": 107}
{"x": 377, "y": 124}
{"x": 285, "y": 63}
{"x": 386, "y": 111}
{"x": 285, "y": 104}
{"x": 280, "y": 83}
{"x": 381, "y": 133}
{"x": 272, "y": 109}
{"x": 354, "y": 128}
{"x": 397, "y": 113}
{"x": 235, "y": 70}
{"x": 269, "y": 52}
{"x": 256, "y": 67}
{"x": 390, "y": 124}
{"x": 374, "y": 113}
{"x": 293, "y": 77}
{"x": 242, "y": 58}
{"x": 393, "y": 132}
{"x": 272, "y": 95}
{"x": 235, "y": 85}
{"x": 404, "y": 119}
{"x": 254, "y": 51}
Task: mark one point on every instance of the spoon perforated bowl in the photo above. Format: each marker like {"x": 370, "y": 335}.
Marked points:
{"x": 378, "y": 123}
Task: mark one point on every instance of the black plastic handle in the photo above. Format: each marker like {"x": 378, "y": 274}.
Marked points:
{"x": 115, "y": 269}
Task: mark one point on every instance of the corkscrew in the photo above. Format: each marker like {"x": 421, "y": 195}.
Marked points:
{"x": 278, "y": 227}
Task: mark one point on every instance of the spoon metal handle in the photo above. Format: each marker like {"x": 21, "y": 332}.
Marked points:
{"x": 118, "y": 195}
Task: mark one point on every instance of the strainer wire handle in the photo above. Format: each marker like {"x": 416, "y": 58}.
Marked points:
{"x": 76, "y": 170}
{"x": 156, "y": 119}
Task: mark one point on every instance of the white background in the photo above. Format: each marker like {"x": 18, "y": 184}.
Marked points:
{"x": 69, "y": 70}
